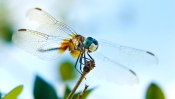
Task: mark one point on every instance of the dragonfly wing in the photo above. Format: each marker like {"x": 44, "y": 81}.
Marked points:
{"x": 126, "y": 55}
{"x": 111, "y": 60}
{"x": 109, "y": 70}
{"x": 48, "y": 24}
{"x": 39, "y": 44}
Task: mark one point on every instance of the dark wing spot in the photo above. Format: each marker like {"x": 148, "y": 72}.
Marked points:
{"x": 38, "y": 9}
{"x": 132, "y": 72}
{"x": 22, "y": 30}
{"x": 150, "y": 53}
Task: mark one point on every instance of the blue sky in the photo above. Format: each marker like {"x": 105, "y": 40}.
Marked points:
{"x": 143, "y": 24}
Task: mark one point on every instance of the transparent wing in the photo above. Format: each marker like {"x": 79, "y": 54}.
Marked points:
{"x": 45, "y": 40}
{"x": 48, "y": 24}
{"x": 39, "y": 44}
{"x": 111, "y": 60}
{"x": 112, "y": 71}
{"x": 126, "y": 55}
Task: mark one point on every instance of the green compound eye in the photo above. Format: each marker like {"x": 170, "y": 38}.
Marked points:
{"x": 91, "y": 44}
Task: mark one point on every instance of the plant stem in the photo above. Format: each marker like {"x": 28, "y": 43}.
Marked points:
{"x": 77, "y": 84}
{"x": 86, "y": 69}
{"x": 81, "y": 94}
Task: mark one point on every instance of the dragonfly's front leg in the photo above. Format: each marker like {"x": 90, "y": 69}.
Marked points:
{"x": 90, "y": 56}
{"x": 81, "y": 60}
{"x": 78, "y": 59}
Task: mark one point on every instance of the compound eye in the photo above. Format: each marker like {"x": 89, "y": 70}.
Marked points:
{"x": 94, "y": 46}
{"x": 89, "y": 38}
{"x": 95, "y": 42}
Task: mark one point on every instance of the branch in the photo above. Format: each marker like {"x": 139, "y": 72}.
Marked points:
{"x": 86, "y": 69}
{"x": 81, "y": 94}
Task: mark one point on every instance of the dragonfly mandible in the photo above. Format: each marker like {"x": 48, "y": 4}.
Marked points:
{"x": 52, "y": 38}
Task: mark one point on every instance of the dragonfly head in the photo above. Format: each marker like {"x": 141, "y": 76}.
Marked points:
{"x": 91, "y": 44}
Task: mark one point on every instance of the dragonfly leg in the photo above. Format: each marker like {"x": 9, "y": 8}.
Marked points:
{"x": 84, "y": 58}
{"x": 78, "y": 59}
{"x": 90, "y": 56}
{"x": 81, "y": 61}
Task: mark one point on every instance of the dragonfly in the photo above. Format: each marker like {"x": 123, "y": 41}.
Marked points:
{"x": 52, "y": 38}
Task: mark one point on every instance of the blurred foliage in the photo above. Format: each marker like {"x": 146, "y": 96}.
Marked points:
{"x": 154, "y": 92}
{"x": 6, "y": 32}
{"x": 5, "y": 24}
{"x": 0, "y": 95}
{"x": 85, "y": 95}
{"x": 43, "y": 90}
{"x": 67, "y": 71}
{"x": 14, "y": 93}
{"x": 67, "y": 92}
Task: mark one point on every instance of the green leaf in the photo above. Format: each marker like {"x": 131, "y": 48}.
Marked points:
{"x": 154, "y": 92}
{"x": 67, "y": 71}
{"x": 43, "y": 90}
{"x": 6, "y": 28}
{"x": 14, "y": 93}
{"x": 6, "y": 32}
{"x": 85, "y": 94}
{"x": 67, "y": 92}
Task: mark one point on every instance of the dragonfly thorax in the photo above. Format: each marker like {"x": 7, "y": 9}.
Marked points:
{"x": 91, "y": 44}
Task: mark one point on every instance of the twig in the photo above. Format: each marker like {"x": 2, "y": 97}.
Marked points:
{"x": 86, "y": 69}
{"x": 81, "y": 94}
{"x": 76, "y": 86}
